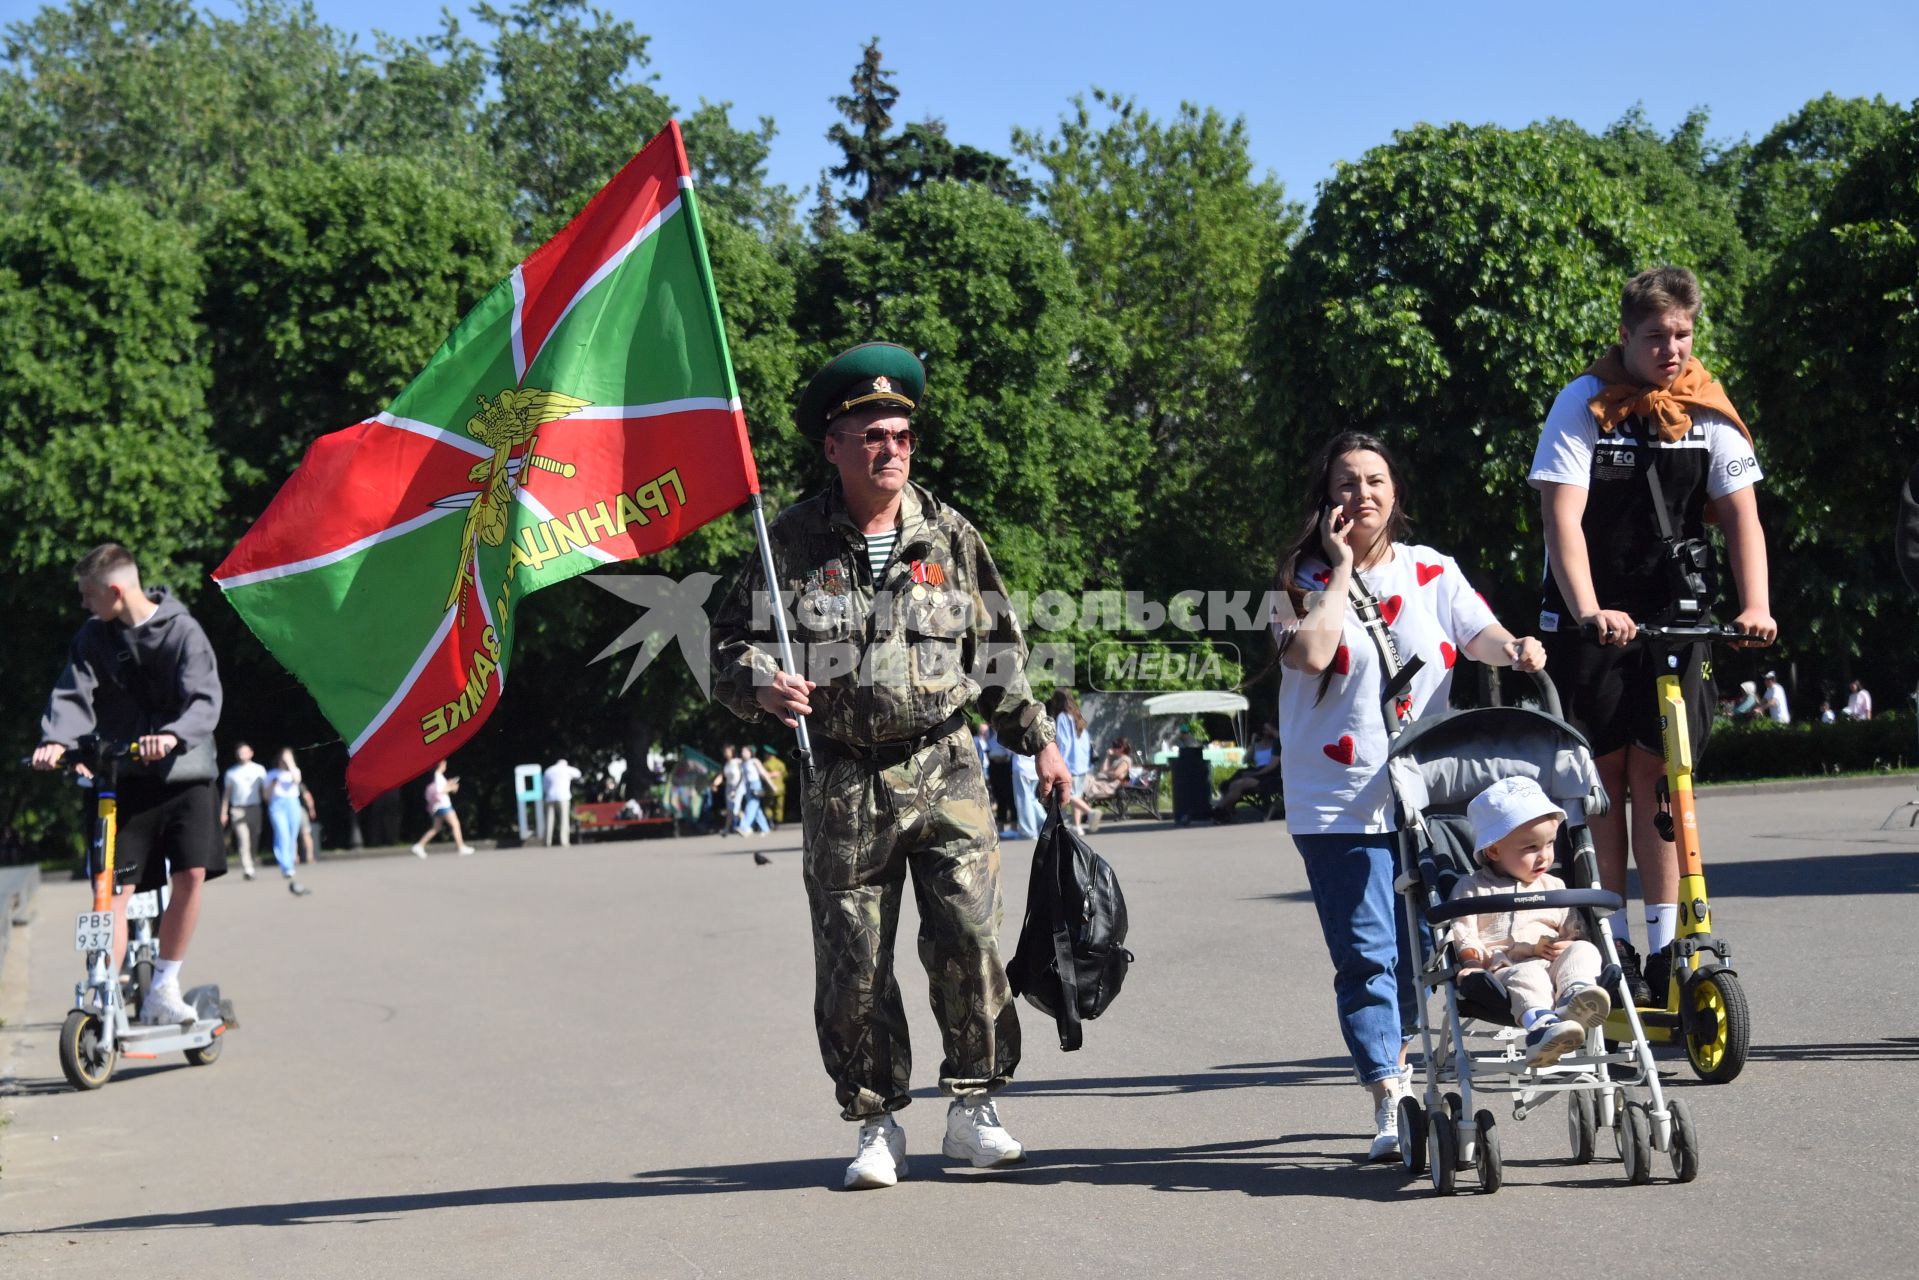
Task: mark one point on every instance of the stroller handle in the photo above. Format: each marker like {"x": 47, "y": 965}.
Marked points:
{"x": 1548, "y": 694}
{"x": 1604, "y": 899}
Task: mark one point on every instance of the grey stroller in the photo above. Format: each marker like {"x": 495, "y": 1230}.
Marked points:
{"x": 1435, "y": 768}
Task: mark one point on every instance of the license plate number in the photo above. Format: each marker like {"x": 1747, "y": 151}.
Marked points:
{"x": 144, "y": 906}
{"x": 93, "y": 931}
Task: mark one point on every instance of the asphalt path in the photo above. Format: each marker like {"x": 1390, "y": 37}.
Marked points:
{"x": 600, "y": 1061}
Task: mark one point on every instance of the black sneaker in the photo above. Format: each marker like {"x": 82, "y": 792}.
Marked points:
{"x": 1658, "y": 977}
{"x": 1636, "y": 984}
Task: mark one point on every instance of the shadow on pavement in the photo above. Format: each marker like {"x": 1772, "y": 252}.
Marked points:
{"x": 1247, "y": 1075}
{"x": 1838, "y": 875}
{"x": 1892, "y": 1049}
{"x": 44, "y": 1086}
{"x": 1256, "y": 1167}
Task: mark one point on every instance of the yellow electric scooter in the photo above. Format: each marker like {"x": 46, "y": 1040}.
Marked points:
{"x": 1703, "y": 1005}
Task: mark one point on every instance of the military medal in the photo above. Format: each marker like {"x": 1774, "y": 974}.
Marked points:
{"x": 919, "y": 571}
{"x": 835, "y": 584}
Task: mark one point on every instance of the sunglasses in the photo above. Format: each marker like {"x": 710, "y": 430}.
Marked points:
{"x": 878, "y": 438}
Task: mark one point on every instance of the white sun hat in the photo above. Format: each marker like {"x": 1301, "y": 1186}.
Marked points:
{"x": 1506, "y": 806}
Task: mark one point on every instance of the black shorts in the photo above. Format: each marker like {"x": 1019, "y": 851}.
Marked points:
{"x": 1610, "y": 691}
{"x": 164, "y": 824}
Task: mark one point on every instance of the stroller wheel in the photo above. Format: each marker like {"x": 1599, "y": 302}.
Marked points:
{"x": 1582, "y": 1126}
{"x": 1685, "y": 1142}
{"x": 1635, "y": 1143}
{"x": 1412, "y": 1136}
{"x": 1454, "y": 1106}
{"x": 1492, "y": 1171}
{"x": 1442, "y": 1150}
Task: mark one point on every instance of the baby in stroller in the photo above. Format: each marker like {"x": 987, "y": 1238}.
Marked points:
{"x": 1540, "y": 959}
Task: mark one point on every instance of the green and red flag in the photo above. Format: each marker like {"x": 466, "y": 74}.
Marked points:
{"x": 583, "y": 413}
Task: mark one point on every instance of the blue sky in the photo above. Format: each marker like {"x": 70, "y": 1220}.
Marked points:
{"x": 1316, "y": 84}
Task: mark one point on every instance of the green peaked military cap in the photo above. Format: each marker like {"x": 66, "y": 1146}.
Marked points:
{"x": 869, "y": 374}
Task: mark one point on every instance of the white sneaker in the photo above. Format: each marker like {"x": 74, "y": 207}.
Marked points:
{"x": 164, "y": 1006}
{"x": 419, "y": 851}
{"x": 1386, "y": 1120}
{"x": 881, "y": 1159}
{"x": 974, "y": 1134}
{"x": 466, "y": 851}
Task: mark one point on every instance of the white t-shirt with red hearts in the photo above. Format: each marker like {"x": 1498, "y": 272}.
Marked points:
{"x": 1333, "y": 750}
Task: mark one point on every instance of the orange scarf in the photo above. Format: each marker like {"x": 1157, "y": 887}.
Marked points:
{"x": 1624, "y": 396}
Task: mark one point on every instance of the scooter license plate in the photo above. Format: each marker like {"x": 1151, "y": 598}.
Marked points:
{"x": 144, "y": 906}
{"x": 93, "y": 931}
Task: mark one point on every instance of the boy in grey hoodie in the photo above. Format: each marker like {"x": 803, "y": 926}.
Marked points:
{"x": 141, "y": 670}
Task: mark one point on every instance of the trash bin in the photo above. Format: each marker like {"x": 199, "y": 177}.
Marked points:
{"x": 1192, "y": 787}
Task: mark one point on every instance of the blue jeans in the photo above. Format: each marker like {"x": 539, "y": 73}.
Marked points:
{"x": 752, "y": 815}
{"x": 1352, "y": 881}
{"x": 284, "y": 813}
{"x": 1027, "y": 807}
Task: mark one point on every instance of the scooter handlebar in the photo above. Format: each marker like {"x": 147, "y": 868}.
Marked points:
{"x": 1679, "y": 631}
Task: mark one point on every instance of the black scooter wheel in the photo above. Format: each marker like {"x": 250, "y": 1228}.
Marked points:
{"x": 1720, "y": 1033}
{"x": 86, "y": 1062}
{"x": 207, "y": 1056}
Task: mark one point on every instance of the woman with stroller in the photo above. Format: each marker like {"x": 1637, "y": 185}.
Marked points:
{"x": 1356, "y": 599}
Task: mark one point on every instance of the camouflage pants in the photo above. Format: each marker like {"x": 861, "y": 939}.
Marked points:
{"x": 865, "y": 828}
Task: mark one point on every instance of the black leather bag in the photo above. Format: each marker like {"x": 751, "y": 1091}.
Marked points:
{"x": 1070, "y": 962}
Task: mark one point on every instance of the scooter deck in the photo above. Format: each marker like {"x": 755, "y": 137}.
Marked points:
{"x": 146, "y": 1041}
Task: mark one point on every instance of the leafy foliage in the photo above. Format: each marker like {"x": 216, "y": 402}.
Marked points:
{"x": 1170, "y": 233}
{"x": 332, "y": 282}
{"x": 103, "y": 422}
{"x": 1835, "y": 343}
{"x": 1017, "y": 372}
{"x": 1451, "y": 283}
{"x": 884, "y": 165}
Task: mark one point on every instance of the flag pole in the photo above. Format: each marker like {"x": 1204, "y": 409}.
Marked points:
{"x": 779, "y": 626}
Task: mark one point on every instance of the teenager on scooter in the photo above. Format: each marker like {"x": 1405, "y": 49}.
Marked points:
{"x": 141, "y": 670}
{"x": 1635, "y": 456}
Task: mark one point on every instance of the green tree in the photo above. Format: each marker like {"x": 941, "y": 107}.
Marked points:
{"x": 171, "y": 103}
{"x": 1170, "y": 233}
{"x": 883, "y": 164}
{"x": 331, "y": 283}
{"x": 1835, "y": 363}
{"x": 1789, "y": 173}
{"x": 1017, "y": 368}
{"x": 103, "y": 429}
{"x": 1451, "y": 283}
{"x": 1690, "y": 187}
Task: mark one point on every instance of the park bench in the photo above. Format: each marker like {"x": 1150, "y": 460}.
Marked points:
{"x": 1139, "y": 793}
{"x": 602, "y": 817}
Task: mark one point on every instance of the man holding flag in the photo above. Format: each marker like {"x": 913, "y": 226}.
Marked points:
{"x": 902, "y": 613}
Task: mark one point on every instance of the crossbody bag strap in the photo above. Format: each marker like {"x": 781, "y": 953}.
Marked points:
{"x": 1659, "y": 512}
{"x": 1395, "y": 675}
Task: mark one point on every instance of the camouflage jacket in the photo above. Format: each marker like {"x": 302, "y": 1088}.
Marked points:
{"x": 893, "y": 658}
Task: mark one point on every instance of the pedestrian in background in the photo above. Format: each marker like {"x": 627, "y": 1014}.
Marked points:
{"x": 1859, "y": 703}
{"x": 440, "y": 791}
{"x": 1069, "y": 729}
{"x": 556, "y": 785}
{"x": 284, "y": 791}
{"x": 242, "y": 804}
{"x": 756, "y": 785}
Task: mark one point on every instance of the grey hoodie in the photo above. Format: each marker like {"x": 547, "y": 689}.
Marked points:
{"x": 122, "y": 682}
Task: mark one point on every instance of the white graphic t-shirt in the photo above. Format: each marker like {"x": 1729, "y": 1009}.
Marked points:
{"x": 243, "y": 783}
{"x": 1333, "y": 750}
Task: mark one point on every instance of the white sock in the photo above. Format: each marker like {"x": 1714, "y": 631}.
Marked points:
{"x": 165, "y": 971}
{"x": 1621, "y": 923}
{"x": 1662, "y": 921}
